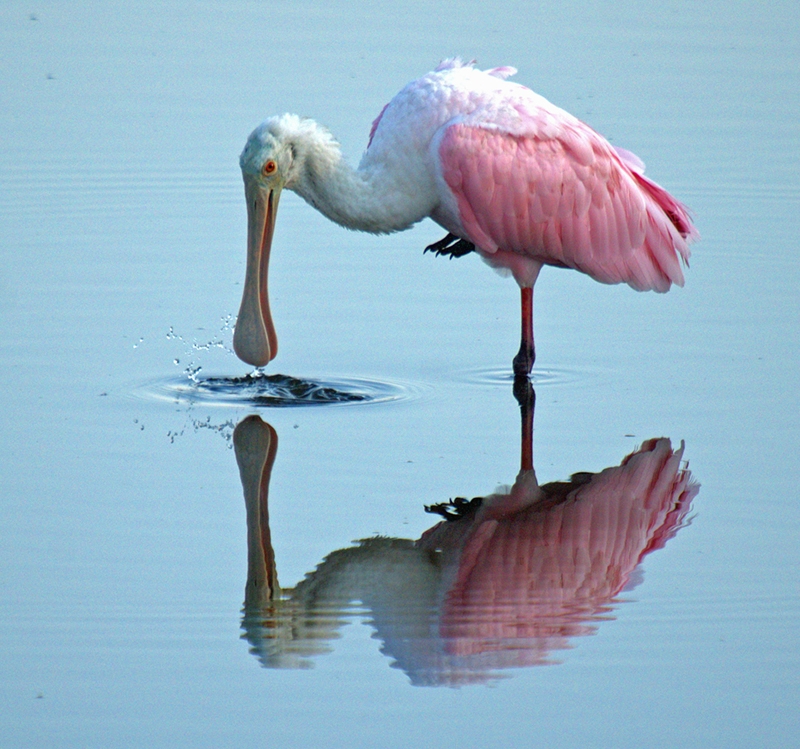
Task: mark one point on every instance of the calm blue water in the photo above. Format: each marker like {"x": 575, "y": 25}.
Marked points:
{"x": 145, "y": 602}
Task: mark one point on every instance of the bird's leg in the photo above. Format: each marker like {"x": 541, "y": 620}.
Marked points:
{"x": 523, "y": 361}
{"x": 451, "y": 245}
{"x": 526, "y": 397}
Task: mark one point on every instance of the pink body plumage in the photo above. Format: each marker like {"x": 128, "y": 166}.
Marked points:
{"x": 530, "y": 185}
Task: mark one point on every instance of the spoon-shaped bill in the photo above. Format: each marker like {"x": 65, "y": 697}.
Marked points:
{"x": 254, "y": 339}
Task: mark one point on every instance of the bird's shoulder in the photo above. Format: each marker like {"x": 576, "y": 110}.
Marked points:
{"x": 459, "y": 93}
{"x": 484, "y": 98}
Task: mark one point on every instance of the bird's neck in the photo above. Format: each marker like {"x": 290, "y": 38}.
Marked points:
{"x": 373, "y": 198}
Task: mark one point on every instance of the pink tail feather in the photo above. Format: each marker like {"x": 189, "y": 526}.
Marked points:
{"x": 677, "y": 212}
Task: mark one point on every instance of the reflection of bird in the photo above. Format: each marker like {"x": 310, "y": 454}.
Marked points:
{"x": 502, "y": 582}
{"x": 505, "y": 172}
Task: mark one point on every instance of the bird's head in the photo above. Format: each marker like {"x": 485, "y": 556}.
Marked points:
{"x": 266, "y": 164}
{"x": 285, "y": 151}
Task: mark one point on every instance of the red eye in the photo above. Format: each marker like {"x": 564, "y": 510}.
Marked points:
{"x": 270, "y": 167}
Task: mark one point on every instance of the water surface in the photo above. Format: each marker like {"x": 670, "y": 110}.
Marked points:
{"x": 131, "y": 612}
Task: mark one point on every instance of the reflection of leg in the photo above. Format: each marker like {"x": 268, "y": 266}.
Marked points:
{"x": 256, "y": 443}
{"x": 523, "y": 361}
{"x": 526, "y": 397}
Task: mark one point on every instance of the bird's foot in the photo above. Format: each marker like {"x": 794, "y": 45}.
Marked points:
{"x": 451, "y": 245}
{"x": 523, "y": 361}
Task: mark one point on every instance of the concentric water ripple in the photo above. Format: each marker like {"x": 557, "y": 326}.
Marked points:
{"x": 539, "y": 377}
{"x": 274, "y": 390}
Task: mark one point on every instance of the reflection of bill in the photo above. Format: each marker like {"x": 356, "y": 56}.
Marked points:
{"x": 501, "y": 582}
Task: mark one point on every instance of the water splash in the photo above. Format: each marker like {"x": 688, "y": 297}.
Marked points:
{"x": 224, "y": 430}
{"x": 194, "y": 347}
{"x": 193, "y": 387}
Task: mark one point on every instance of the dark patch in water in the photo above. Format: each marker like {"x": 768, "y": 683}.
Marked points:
{"x": 274, "y": 390}
{"x": 277, "y": 390}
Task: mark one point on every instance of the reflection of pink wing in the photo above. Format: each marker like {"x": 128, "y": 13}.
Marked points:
{"x": 554, "y": 190}
{"x": 529, "y": 581}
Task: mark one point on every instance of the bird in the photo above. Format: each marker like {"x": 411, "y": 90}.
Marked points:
{"x": 507, "y": 174}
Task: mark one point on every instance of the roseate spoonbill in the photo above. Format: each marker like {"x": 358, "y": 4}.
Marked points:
{"x": 505, "y": 172}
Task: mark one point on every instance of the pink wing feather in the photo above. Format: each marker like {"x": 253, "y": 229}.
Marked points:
{"x": 560, "y": 194}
